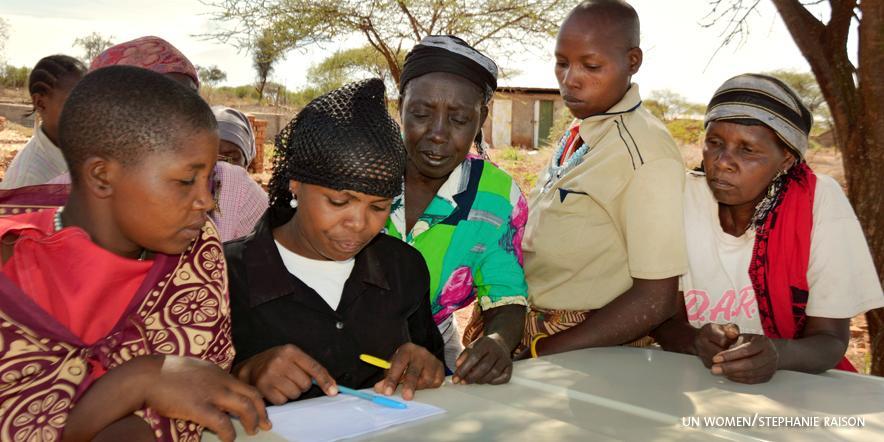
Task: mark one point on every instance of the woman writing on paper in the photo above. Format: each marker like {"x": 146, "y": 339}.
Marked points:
{"x": 316, "y": 285}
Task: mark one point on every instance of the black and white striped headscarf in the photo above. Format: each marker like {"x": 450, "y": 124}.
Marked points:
{"x": 767, "y": 100}
{"x": 450, "y": 54}
{"x": 447, "y": 53}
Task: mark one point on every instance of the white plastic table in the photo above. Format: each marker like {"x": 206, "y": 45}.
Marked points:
{"x": 624, "y": 393}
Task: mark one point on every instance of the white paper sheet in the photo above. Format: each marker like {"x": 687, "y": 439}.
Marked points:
{"x": 327, "y": 419}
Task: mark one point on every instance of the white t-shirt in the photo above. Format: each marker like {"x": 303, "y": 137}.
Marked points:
{"x": 841, "y": 274}
{"x": 326, "y": 277}
{"x": 37, "y": 163}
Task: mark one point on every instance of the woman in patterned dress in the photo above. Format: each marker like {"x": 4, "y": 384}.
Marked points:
{"x": 464, "y": 215}
{"x": 114, "y": 314}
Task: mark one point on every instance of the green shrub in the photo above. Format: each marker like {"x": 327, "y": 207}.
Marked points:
{"x": 510, "y": 153}
{"x": 686, "y": 131}
{"x": 561, "y": 121}
{"x": 13, "y": 77}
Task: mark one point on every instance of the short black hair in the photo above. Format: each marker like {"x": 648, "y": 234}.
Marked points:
{"x": 52, "y": 70}
{"x": 125, "y": 112}
{"x": 618, "y": 14}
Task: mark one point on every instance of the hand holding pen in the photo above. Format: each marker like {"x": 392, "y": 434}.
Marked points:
{"x": 415, "y": 368}
{"x": 712, "y": 339}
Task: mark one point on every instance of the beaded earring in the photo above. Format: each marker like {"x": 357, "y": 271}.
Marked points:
{"x": 767, "y": 203}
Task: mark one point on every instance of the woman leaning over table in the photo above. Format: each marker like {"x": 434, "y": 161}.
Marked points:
{"x": 462, "y": 213}
{"x": 316, "y": 285}
{"x": 778, "y": 262}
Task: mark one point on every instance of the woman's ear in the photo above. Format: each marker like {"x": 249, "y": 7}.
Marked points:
{"x": 483, "y": 115}
{"x": 39, "y": 101}
{"x": 294, "y": 187}
{"x": 98, "y": 174}
{"x": 789, "y": 160}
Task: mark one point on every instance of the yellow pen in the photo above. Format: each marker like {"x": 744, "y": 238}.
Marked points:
{"x": 376, "y": 361}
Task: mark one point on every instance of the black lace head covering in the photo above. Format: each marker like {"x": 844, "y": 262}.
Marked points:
{"x": 344, "y": 139}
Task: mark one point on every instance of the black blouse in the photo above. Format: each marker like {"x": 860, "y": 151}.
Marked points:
{"x": 385, "y": 303}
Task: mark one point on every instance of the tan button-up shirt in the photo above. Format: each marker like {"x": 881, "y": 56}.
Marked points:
{"x": 616, "y": 215}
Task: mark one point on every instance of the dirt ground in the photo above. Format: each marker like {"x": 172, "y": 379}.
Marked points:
{"x": 12, "y": 139}
{"x": 525, "y": 165}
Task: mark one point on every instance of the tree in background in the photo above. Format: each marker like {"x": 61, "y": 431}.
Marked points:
{"x": 667, "y": 105}
{"x": 276, "y": 94}
{"x": 4, "y": 37}
{"x": 808, "y": 90}
{"x": 656, "y": 108}
{"x": 268, "y": 49}
{"x": 210, "y": 76}
{"x": 93, "y": 44}
{"x": 10, "y": 76}
{"x": 392, "y": 27}
{"x": 350, "y": 65}
{"x": 855, "y": 97}
{"x": 683, "y": 119}
{"x": 14, "y": 77}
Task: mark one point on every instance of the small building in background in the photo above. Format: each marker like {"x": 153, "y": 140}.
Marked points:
{"x": 521, "y": 116}
{"x": 517, "y": 116}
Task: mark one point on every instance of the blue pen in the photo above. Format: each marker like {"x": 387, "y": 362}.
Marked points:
{"x": 380, "y": 400}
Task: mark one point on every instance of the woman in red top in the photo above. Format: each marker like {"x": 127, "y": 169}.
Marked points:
{"x": 114, "y": 315}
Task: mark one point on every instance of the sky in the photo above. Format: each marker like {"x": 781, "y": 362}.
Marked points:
{"x": 677, "y": 48}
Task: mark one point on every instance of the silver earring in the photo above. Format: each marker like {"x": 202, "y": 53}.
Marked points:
{"x": 293, "y": 202}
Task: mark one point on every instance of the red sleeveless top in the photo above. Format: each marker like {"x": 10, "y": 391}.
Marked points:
{"x": 84, "y": 287}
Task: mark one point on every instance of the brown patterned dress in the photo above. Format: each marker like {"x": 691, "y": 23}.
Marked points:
{"x": 182, "y": 309}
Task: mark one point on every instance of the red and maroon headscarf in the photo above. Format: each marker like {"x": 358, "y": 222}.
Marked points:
{"x": 149, "y": 52}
